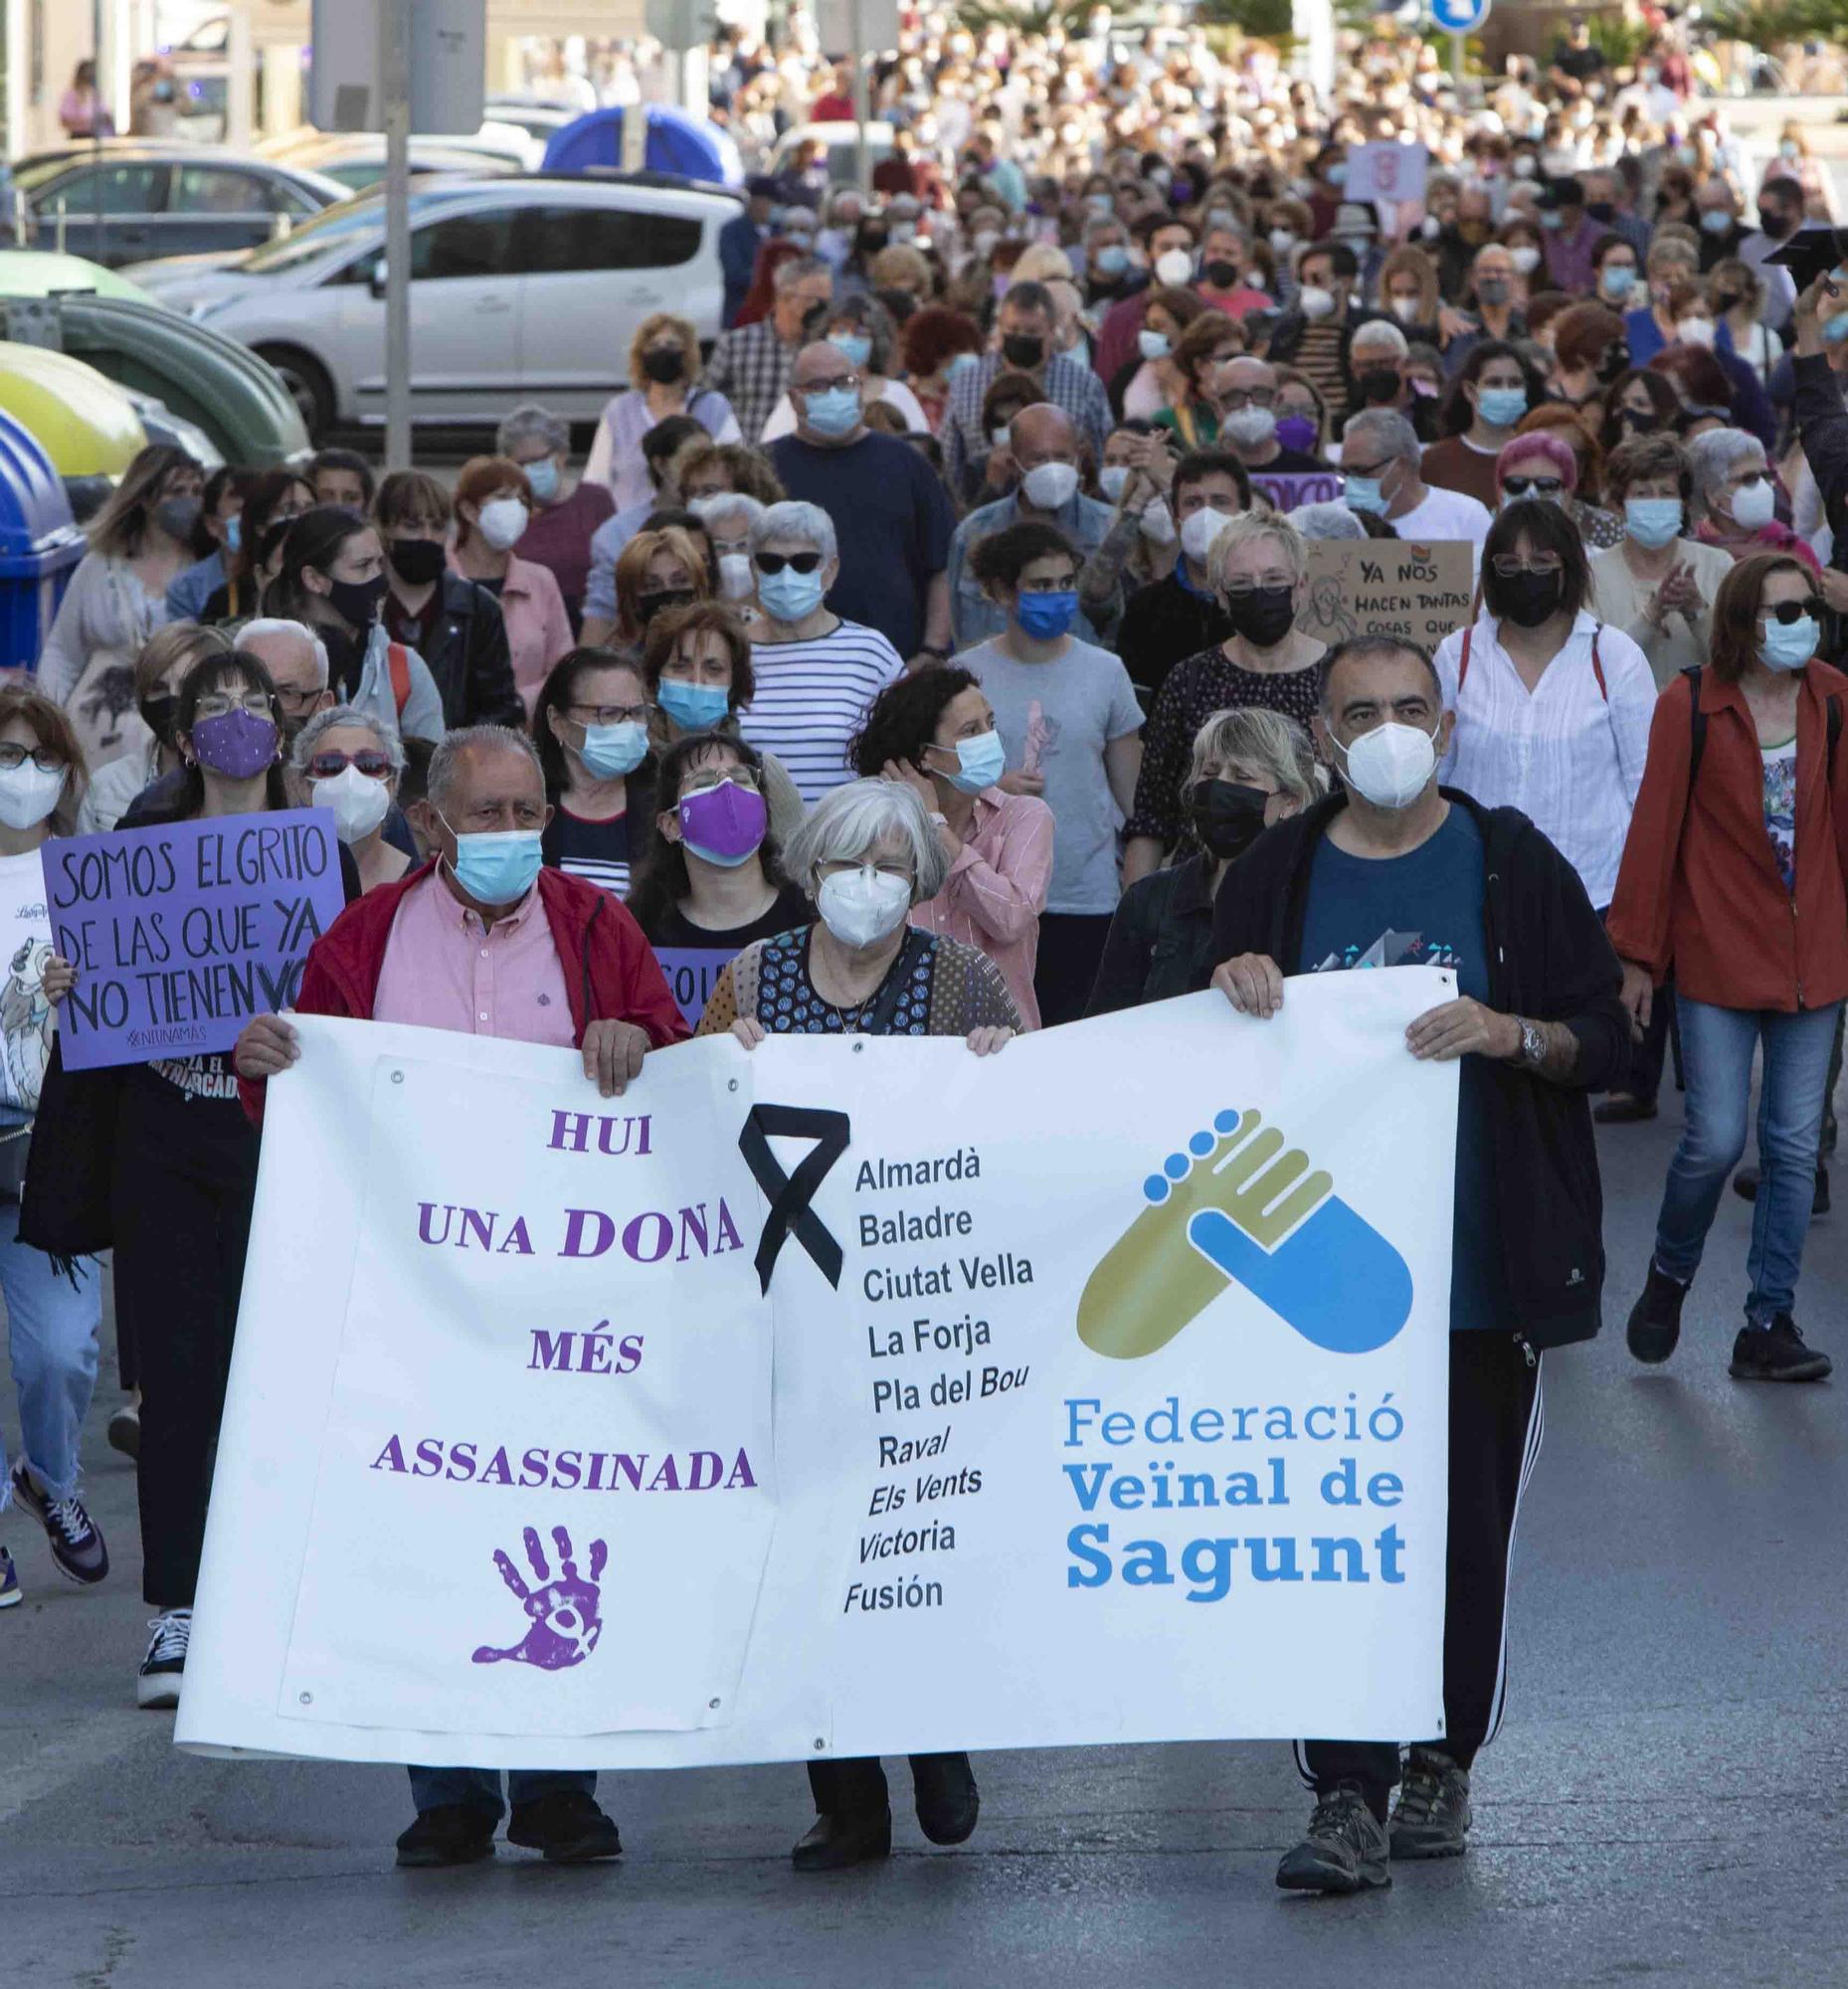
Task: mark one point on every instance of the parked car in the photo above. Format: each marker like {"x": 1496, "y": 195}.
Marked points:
{"x": 520, "y": 289}
{"x": 136, "y": 200}
{"x": 357, "y": 161}
{"x": 537, "y": 116}
{"x": 843, "y": 142}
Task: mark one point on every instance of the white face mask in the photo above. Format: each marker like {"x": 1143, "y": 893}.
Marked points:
{"x": 1405, "y": 309}
{"x": 1526, "y": 259}
{"x": 1113, "y": 479}
{"x": 1695, "y": 330}
{"x": 356, "y": 800}
{"x": 737, "y": 577}
{"x": 28, "y": 794}
{"x": 1174, "y": 266}
{"x": 1050, "y": 485}
{"x": 861, "y": 907}
{"x": 1315, "y": 301}
{"x": 1754, "y": 504}
{"x": 1199, "y": 530}
{"x": 1391, "y": 765}
{"x": 1281, "y": 241}
{"x": 1158, "y": 524}
{"x": 1251, "y": 427}
{"x": 504, "y": 523}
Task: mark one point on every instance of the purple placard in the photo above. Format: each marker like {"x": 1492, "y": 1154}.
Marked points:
{"x": 180, "y": 933}
{"x": 692, "y": 971}
{"x": 1286, "y": 489}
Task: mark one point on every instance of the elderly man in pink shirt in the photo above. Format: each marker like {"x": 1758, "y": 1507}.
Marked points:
{"x": 486, "y": 941}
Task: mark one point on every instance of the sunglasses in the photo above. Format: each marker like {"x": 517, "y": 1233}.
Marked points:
{"x": 1538, "y": 487}
{"x": 369, "y": 760}
{"x": 776, "y": 562}
{"x": 1788, "y": 612}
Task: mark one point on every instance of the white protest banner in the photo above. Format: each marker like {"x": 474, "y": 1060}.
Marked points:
{"x": 1099, "y": 1395}
{"x": 1386, "y": 170}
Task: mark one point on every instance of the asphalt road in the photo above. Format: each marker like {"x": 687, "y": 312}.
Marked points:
{"x": 1664, "y": 1802}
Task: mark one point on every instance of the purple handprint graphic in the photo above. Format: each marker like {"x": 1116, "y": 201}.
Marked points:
{"x": 565, "y": 1622}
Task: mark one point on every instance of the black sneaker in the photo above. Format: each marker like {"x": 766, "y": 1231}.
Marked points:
{"x": 1775, "y": 1352}
{"x": 163, "y": 1670}
{"x": 11, "y": 1594}
{"x": 948, "y": 1801}
{"x": 1346, "y": 1849}
{"x": 835, "y": 1841}
{"x": 1745, "y": 1187}
{"x": 76, "y": 1542}
{"x": 1431, "y": 1817}
{"x": 451, "y": 1834}
{"x": 567, "y": 1825}
{"x": 1655, "y": 1317}
{"x": 126, "y": 1430}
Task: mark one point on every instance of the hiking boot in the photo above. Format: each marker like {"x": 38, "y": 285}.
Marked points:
{"x": 1655, "y": 1317}
{"x": 76, "y": 1542}
{"x": 1745, "y": 1187}
{"x": 163, "y": 1670}
{"x": 1346, "y": 1849}
{"x": 450, "y": 1833}
{"x": 567, "y": 1825}
{"x": 11, "y": 1594}
{"x": 1775, "y": 1351}
{"x": 1431, "y": 1817}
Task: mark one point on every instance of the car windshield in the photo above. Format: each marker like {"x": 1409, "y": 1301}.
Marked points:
{"x": 333, "y": 227}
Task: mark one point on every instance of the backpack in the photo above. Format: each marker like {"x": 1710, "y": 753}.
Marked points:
{"x": 397, "y": 661}
{"x": 1597, "y": 662}
{"x": 1696, "y": 722}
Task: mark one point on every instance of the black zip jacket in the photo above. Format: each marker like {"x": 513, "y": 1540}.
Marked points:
{"x": 1160, "y": 943}
{"x": 469, "y": 657}
{"x": 1547, "y": 959}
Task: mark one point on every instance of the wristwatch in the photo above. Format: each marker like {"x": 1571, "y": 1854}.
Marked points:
{"x": 931, "y": 649}
{"x": 1532, "y": 1044}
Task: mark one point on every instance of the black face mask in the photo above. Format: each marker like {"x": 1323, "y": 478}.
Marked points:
{"x": 1773, "y": 223}
{"x": 417, "y": 562}
{"x": 356, "y": 602}
{"x": 1227, "y": 816}
{"x": 663, "y": 364}
{"x": 1603, "y": 212}
{"x": 1024, "y": 348}
{"x": 1221, "y": 275}
{"x": 1379, "y": 386}
{"x": 1638, "y": 424}
{"x": 1616, "y": 360}
{"x": 157, "y": 714}
{"x": 1263, "y": 616}
{"x": 1532, "y": 597}
{"x": 648, "y": 606}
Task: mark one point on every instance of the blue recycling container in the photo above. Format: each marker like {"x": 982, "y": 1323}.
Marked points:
{"x": 40, "y": 545}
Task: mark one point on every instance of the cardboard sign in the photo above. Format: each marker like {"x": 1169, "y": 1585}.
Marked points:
{"x": 1383, "y": 587}
{"x": 180, "y": 933}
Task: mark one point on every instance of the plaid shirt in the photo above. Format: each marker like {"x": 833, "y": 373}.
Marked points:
{"x": 1069, "y": 385}
{"x": 751, "y": 367}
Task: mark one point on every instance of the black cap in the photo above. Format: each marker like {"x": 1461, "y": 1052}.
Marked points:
{"x": 1811, "y": 253}
{"x": 1562, "y": 193}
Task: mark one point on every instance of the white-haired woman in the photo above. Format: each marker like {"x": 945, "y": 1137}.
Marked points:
{"x": 663, "y": 374}
{"x": 350, "y": 761}
{"x": 728, "y": 516}
{"x": 1258, "y": 566}
{"x": 1251, "y": 767}
{"x": 815, "y": 673}
{"x": 866, "y": 857}
{"x": 1736, "y": 498}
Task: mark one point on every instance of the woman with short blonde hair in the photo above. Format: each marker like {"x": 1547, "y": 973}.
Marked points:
{"x": 664, "y": 373}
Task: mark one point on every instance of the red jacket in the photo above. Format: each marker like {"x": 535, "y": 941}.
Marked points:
{"x": 610, "y": 972}
{"x": 1699, "y": 888}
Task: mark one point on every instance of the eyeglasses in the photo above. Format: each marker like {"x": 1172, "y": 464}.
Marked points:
{"x": 1248, "y": 397}
{"x": 610, "y": 714}
{"x": 1510, "y": 566}
{"x": 46, "y": 758}
{"x": 1243, "y": 590}
{"x": 1785, "y": 611}
{"x": 814, "y": 387}
{"x": 294, "y": 699}
{"x": 1372, "y": 470}
{"x": 217, "y": 704}
{"x": 886, "y": 867}
{"x": 369, "y": 760}
{"x": 1535, "y": 487}
{"x": 776, "y": 562}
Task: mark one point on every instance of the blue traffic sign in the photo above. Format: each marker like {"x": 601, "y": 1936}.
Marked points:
{"x": 1460, "y": 17}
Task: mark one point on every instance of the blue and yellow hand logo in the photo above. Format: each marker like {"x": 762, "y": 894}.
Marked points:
{"x": 1236, "y": 1205}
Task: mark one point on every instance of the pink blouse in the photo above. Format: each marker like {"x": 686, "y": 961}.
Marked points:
{"x": 996, "y": 890}
{"x": 538, "y": 628}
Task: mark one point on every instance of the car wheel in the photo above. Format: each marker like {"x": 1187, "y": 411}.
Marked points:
{"x": 308, "y": 386}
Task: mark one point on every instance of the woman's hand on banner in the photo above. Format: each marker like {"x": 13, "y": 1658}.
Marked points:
{"x": 265, "y": 1047}
{"x": 1252, "y": 984}
{"x": 57, "y": 978}
{"x": 749, "y": 1032}
{"x": 612, "y": 1054}
{"x": 989, "y": 1041}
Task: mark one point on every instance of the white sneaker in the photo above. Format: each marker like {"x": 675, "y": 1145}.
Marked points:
{"x": 158, "y": 1684}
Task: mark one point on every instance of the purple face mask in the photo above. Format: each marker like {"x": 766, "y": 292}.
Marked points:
{"x": 723, "y": 824}
{"x": 1297, "y": 432}
{"x": 236, "y": 744}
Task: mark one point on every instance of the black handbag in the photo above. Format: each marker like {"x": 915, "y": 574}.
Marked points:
{"x": 66, "y": 1207}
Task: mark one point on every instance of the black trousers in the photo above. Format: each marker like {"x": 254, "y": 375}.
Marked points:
{"x": 1495, "y": 1427}
{"x": 185, "y": 1172}
{"x": 856, "y": 1788}
{"x": 1071, "y": 946}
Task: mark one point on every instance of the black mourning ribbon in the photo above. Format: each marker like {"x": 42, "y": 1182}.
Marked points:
{"x": 791, "y": 1194}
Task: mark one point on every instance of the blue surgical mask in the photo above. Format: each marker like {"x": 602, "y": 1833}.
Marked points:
{"x": 1717, "y": 221}
{"x": 1652, "y": 521}
{"x": 1835, "y": 329}
{"x": 693, "y": 708}
{"x": 1112, "y": 259}
{"x": 835, "y": 410}
{"x": 498, "y": 867}
{"x": 984, "y": 758}
{"x": 610, "y": 750}
{"x": 789, "y": 596}
{"x": 1153, "y": 344}
{"x": 963, "y": 362}
{"x": 1789, "y": 645}
{"x": 543, "y": 477}
{"x": 1502, "y": 406}
{"x": 1364, "y": 493}
{"x": 234, "y": 534}
{"x": 853, "y": 346}
{"x": 1046, "y": 615}
{"x": 1618, "y": 282}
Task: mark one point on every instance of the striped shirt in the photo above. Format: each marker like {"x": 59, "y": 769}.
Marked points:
{"x": 1070, "y": 384}
{"x": 1569, "y": 755}
{"x": 596, "y": 851}
{"x": 812, "y": 698}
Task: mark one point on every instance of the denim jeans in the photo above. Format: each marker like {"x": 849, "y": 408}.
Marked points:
{"x": 52, "y": 1329}
{"x": 1717, "y": 1047}
{"x": 438, "y": 1788}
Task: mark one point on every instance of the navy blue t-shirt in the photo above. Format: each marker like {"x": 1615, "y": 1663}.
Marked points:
{"x": 1424, "y": 909}
{"x": 893, "y": 519}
